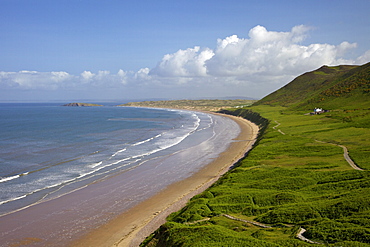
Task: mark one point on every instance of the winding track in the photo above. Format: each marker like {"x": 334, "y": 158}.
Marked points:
{"x": 346, "y": 156}
{"x": 301, "y": 237}
{"x": 299, "y": 234}
{"x": 247, "y": 221}
{"x": 345, "y": 150}
{"x": 279, "y": 130}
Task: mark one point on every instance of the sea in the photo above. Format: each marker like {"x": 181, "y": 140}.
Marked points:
{"x": 48, "y": 151}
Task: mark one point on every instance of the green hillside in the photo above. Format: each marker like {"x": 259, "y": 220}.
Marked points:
{"x": 339, "y": 87}
{"x": 297, "y": 176}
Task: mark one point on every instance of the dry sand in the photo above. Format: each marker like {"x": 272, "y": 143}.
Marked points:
{"x": 131, "y": 228}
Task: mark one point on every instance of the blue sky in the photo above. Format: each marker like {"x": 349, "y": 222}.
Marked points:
{"x": 117, "y": 50}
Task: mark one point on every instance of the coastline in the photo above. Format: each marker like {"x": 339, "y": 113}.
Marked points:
{"x": 131, "y": 227}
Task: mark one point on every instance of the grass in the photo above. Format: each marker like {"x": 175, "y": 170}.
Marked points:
{"x": 287, "y": 181}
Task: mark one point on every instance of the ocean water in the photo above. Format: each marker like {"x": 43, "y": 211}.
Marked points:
{"x": 47, "y": 150}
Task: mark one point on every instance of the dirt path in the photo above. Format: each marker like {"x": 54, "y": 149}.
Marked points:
{"x": 279, "y": 130}
{"x": 345, "y": 150}
{"x": 247, "y": 221}
{"x": 301, "y": 237}
{"x": 197, "y": 221}
{"x": 345, "y": 154}
{"x": 348, "y": 159}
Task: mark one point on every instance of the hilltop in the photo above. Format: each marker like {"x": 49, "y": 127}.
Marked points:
{"x": 338, "y": 87}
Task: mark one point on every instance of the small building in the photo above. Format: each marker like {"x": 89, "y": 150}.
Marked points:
{"x": 318, "y": 110}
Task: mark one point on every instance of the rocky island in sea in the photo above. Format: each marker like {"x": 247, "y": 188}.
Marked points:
{"x": 81, "y": 104}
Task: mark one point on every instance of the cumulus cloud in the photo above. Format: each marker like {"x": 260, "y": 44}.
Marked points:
{"x": 264, "y": 53}
{"x": 33, "y": 79}
{"x": 272, "y": 53}
{"x": 363, "y": 58}
{"x": 183, "y": 63}
{"x": 143, "y": 74}
{"x": 104, "y": 78}
{"x": 262, "y": 61}
{"x": 54, "y": 80}
{"x": 87, "y": 75}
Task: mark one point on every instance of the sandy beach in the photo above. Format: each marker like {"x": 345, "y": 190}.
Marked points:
{"x": 131, "y": 227}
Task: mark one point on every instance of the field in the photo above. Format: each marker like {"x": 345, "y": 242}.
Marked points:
{"x": 295, "y": 177}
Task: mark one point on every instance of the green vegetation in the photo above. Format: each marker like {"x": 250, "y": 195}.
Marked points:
{"x": 207, "y": 105}
{"x": 340, "y": 87}
{"x": 295, "y": 177}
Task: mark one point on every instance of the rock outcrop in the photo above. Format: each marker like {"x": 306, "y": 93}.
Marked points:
{"x": 81, "y": 104}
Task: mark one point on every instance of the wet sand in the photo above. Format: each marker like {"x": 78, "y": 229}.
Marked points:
{"x": 131, "y": 227}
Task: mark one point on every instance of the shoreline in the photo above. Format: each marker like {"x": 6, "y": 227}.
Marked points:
{"x": 133, "y": 226}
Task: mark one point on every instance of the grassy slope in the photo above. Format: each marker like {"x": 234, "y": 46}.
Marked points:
{"x": 327, "y": 87}
{"x": 290, "y": 180}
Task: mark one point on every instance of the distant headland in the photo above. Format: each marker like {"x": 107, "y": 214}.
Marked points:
{"x": 81, "y": 104}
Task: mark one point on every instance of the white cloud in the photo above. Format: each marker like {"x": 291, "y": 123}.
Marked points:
{"x": 87, "y": 75}
{"x": 267, "y": 57}
{"x": 272, "y": 53}
{"x": 104, "y": 78}
{"x": 264, "y": 61}
{"x": 255, "y": 65}
{"x": 344, "y": 47}
{"x": 183, "y": 63}
{"x": 33, "y": 79}
{"x": 60, "y": 79}
{"x": 143, "y": 74}
{"x": 365, "y": 58}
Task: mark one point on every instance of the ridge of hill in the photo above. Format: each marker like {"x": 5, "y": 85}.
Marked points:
{"x": 337, "y": 87}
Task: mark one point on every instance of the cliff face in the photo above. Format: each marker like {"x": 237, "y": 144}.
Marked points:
{"x": 81, "y": 104}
